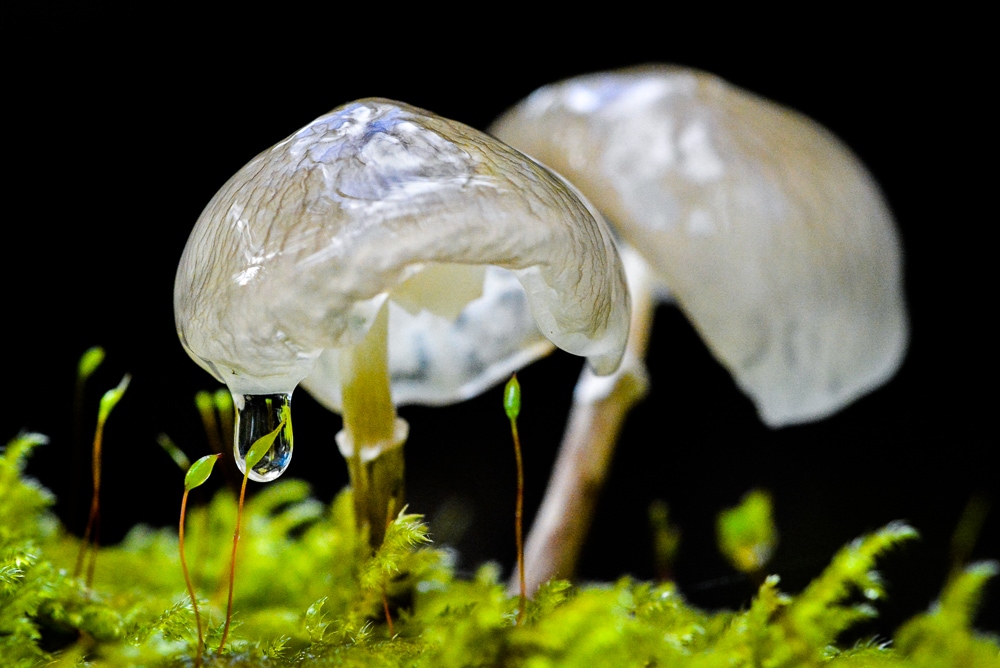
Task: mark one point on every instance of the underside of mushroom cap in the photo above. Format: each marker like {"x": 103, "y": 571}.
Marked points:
{"x": 302, "y": 247}
{"x": 438, "y": 360}
{"x": 767, "y": 231}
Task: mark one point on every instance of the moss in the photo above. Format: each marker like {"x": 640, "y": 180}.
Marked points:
{"x": 308, "y": 593}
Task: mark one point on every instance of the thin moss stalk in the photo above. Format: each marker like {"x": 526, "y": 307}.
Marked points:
{"x": 91, "y": 535}
{"x": 254, "y": 455}
{"x": 512, "y": 406}
{"x": 196, "y": 476}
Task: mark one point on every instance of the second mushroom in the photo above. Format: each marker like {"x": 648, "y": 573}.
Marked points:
{"x": 757, "y": 222}
{"x": 306, "y": 265}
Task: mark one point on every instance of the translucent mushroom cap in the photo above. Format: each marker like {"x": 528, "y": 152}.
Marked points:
{"x": 379, "y": 201}
{"x": 766, "y": 230}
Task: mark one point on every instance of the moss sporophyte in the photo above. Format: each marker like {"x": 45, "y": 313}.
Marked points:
{"x": 91, "y": 535}
{"x": 512, "y": 406}
{"x": 196, "y": 476}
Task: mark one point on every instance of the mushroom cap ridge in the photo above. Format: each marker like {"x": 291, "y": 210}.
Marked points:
{"x": 767, "y": 231}
{"x": 299, "y": 250}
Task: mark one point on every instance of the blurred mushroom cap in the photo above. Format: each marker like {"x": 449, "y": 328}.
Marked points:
{"x": 764, "y": 228}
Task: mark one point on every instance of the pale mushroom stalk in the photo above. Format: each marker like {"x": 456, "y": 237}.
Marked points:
{"x": 758, "y": 223}
{"x": 373, "y": 436}
{"x": 600, "y": 405}
{"x": 383, "y": 255}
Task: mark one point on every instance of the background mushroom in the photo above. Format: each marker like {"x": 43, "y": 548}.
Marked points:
{"x": 765, "y": 229}
{"x": 301, "y": 253}
{"x": 108, "y": 138}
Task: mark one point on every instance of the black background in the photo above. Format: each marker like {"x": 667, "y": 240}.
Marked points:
{"x": 121, "y": 126}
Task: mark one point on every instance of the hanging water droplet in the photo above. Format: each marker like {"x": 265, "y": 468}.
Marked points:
{"x": 257, "y": 415}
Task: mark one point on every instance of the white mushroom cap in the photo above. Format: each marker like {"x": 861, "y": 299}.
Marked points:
{"x": 378, "y": 200}
{"x": 768, "y": 232}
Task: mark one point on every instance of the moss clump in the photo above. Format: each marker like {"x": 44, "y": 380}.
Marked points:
{"x": 308, "y": 593}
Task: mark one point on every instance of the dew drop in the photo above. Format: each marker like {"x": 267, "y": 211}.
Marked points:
{"x": 256, "y": 416}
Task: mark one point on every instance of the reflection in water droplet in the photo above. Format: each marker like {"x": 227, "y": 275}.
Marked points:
{"x": 256, "y": 416}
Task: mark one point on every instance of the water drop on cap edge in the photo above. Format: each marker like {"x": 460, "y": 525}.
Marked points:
{"x": 257, "y": 415}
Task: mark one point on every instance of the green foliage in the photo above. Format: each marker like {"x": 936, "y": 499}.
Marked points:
{"x": 310, "y": 593}
{"x": 89, "y": 361}
{"x": 204, "y": 401}
{"x": 217, "y": 413}
{"x": 666, "y": 538}
{"x": 747, "y": 535}
{"x": 111, "y": 398}
{"x": 941, "y": 637}
{"x": 22, "y": 497}
{"x": 822, "y": 612}
{"x": 512, "y": 398}
{"x": 198, "y": 473}
{"x": 24, "y": 582}
{"x": 174, "y": 452}
{"x": 261, "y": 446}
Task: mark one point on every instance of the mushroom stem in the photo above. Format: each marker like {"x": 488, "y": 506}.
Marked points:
{"x": 372, "y": 438}
{"x": 595, "y": 420}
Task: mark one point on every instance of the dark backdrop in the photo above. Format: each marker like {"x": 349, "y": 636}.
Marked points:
{"x": 120, "y": 127}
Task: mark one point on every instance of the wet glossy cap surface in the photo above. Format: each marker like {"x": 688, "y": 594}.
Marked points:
{"x": 299, "y": 250}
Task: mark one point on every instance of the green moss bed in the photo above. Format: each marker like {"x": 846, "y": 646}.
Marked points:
{"x": 309, "y": 593}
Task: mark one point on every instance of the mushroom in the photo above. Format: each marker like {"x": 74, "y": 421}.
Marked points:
{"x": 758, "y": 223}
{"x": 309, "y": 262}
